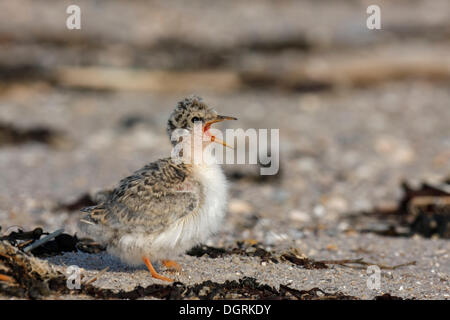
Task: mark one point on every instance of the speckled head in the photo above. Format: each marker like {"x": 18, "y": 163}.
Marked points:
{"x": 191, "y": 110}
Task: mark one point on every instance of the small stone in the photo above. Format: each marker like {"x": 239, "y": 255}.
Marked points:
{"x": 270, "y": 238}
{"x": 319, "y": 211}
{"x": 336, "y": 203}
{"x": 300, "y": 216}
{"x": 396, "y": 150}
{"x": 332, "y": 247}
{"x": 307, "y": 164}
{"x": 238, "y": 206}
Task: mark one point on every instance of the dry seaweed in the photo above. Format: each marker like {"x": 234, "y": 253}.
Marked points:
{"x": 212, "y": 252}
{"x": 254, "y": 176}
{"x": 424, "y": 211}
{"x": 89, "y": 246}
{"x": 12, "y": 135}
{"x": 293, "y": 256}
{"x": 362, "y": 264}
{"x": 22, "y": 73}
{"x": 67, "y": 243}
{"x": 60, "y": 244}
{"x": 29, "y": 277}
{"x": 298, "y": 259}
{"x": 243, "y": 248}
{"x": 13, "y": 236}
{"x": 252, "y": 249}
{"x": 387, "y": 296}
{"x": 24, "y": 276}
{"x": 85, "y": 200}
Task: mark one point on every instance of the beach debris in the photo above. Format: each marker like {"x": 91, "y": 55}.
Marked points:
{"x": 25, "y": 276}
{"x": 84, "y": 200}
{"x": 52, "y": 244}
{"x": 13, "y": 135}
{"x": 423, "y": 211}
{"x": 22, "y": 274}
{"x": 292, "y": 255}
{"x": 44, "y": 240}
{"x": 96, "y": 277}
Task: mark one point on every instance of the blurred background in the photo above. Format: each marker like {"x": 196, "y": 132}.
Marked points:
{"x": 359, "y": 110}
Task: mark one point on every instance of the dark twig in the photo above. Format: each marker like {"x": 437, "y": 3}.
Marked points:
{"x": 360, "y": 261}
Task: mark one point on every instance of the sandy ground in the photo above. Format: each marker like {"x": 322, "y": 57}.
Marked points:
{"x": 345, "y": 146}
{"x": 428, "y": 279}
{"x": 281, "y": 213}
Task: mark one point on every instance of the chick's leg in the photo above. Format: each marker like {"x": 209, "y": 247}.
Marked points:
{"x": 171, "y": 265}
{"x": 153, "y": 272}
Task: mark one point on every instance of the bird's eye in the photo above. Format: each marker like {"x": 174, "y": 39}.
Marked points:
{"x": 195, "y": 119}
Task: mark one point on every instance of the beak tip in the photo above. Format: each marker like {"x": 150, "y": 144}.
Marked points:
{"x": 227, "y": 118}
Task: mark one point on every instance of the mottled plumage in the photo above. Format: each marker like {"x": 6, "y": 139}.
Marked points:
{"x": 161, "y": 191}
{"x": 164, "y": 208}
{"x": 187, "y": 112}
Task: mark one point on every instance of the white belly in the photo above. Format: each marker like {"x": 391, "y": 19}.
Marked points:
{"x": 196, "y": 228}
{"x": 188, "y": 232}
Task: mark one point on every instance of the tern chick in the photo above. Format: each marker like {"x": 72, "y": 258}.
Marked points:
{"x": 168, "y": 206}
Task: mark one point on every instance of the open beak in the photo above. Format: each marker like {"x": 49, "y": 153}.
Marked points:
{"x": 208, "y": 125}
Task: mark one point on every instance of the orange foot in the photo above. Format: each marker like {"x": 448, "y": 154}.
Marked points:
{"x": 171, "y": 265}
{"x": 4, "y": 277}
{"x": 153, "y": 272}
